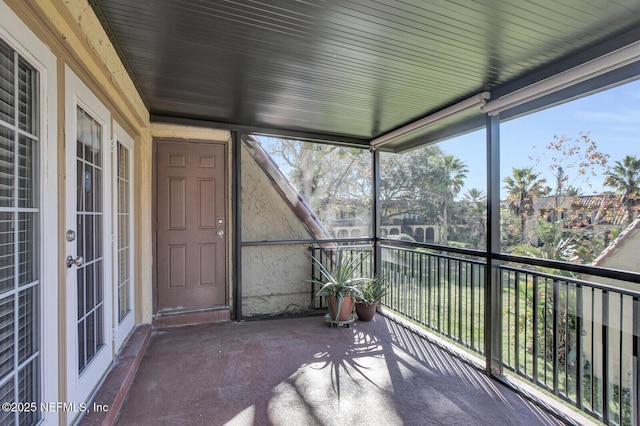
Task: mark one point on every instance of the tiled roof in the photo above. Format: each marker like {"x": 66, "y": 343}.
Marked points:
{"x": 612, "y": 209}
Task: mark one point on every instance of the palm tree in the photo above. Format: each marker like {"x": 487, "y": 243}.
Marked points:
{"x": 475, "y": 195}
{"x": 477, "y": 201}
{"x": 522, "y": 187}
{"x": 451, "y": 174}
{"x": 625, "y": 178}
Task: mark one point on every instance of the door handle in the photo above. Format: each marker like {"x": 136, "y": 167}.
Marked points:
{"x": 220, "y": 233}
{"x": 78, "y": 261}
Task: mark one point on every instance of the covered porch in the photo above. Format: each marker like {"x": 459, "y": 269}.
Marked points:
{"x": 299, "y": 371}
{"x": 159, "y": 162}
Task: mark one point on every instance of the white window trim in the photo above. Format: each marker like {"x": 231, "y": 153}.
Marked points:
{"x": 18, "y": 36}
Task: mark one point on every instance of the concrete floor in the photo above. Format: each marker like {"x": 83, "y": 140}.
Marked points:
{"x": 301, "y": 372}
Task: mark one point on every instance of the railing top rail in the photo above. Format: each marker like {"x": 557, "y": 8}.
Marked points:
{"x": 305, "y": 242}
{"x": 439, "y": 255}
{"x": 615, "y": 274}
{"x": 577, "y": 281}
{"x": 362, "y": 247}
{"x": 411, "y": 244}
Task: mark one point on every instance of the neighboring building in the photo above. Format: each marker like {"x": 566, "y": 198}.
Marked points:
{"x": 354, "y": 224}
{"x": 350, "y": 225}
{"x": 410, "y": 224}
{"x": 621, "y": 254}
{"x": 600, "y": 214}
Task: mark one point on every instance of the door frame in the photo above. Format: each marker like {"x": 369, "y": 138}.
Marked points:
{"x": 80, "y": 385}
{"x": 154, "y": 203}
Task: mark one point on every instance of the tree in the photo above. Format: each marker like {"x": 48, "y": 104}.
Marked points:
{"x": 624, "y": 176}
{"x": 450, "y": 176}
{"x": 330, "y": 178}
{"x": 560, "y": 243}
{"x": 394, "y": 184}
{"x": 510, "y": 234}
{"x": 572, "y": 159}
{"x": 422, "y": 182}
{"x": 406, "y": 183}
{"x": 522, "y": 187}
{"x": 477, "y": 208}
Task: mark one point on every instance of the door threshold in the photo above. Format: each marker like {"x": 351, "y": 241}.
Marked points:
{"x": 201, "y": 316}
{"x": 113, "y": 391}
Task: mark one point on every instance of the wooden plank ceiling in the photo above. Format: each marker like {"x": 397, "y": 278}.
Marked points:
{"x": 354, "y": 69}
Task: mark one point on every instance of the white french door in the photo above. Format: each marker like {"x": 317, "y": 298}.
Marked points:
{"x": 88, "y": 233}
{"x": 28, "y": 222}
{"x": 123, "y": 312}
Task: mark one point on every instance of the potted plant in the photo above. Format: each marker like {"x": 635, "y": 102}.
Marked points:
{"x": 371, "y": 291}
{"x": 340, "y": 283}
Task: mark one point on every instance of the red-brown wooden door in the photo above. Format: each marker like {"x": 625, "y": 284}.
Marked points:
{"x": 192, "y": 226}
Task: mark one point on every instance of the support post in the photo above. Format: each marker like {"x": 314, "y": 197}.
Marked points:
{"x": 635, "y": 368}
{"x": 493, "y": 298}
{"x": 375, "y": 200}
{"x": 236, "y": 187}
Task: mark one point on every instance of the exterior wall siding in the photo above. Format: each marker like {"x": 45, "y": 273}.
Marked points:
{"x": 623, "y": 255}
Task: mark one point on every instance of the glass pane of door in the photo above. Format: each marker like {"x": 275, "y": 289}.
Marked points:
{"x": 124, "y": 230}
{"x": 19, "y": 242}
{"x": 89, "y": 217}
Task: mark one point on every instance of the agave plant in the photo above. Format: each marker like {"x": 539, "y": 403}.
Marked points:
{"x": 371, "y": 291}
{"x": 341, "y": 278}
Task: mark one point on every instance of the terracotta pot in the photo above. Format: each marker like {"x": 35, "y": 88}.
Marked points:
{"x": 365, "y": 311}
{"x": 345, "y": 309}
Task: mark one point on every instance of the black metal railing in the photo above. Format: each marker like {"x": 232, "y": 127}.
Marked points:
{"x": 573, "y": 338}
{"x": 442, "y": 293}
{"x": 576, "y": 339}
{"x": 350, "y": 249}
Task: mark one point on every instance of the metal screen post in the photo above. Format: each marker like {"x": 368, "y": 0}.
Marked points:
{"x": 376, "y": 222}
{"x": 493, "y": 299}
{"x": 236, "y": 151}
{"x": 635, "y": 370}
{"x": 605, "y": 357}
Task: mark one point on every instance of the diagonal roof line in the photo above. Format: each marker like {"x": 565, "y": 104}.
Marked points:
{"x": 615, "y": 244}
{"x": 284, "y": 187}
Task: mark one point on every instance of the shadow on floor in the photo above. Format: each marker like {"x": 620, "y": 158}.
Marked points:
{"x": 301, "y": 372}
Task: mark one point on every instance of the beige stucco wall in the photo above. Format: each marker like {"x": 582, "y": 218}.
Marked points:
{"x": 273, "y": 276}
{"x": 623, "y": 256}
{"x": 178, "y": 131}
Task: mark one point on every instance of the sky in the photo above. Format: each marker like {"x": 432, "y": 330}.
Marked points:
{"x": 612, "y": 117}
